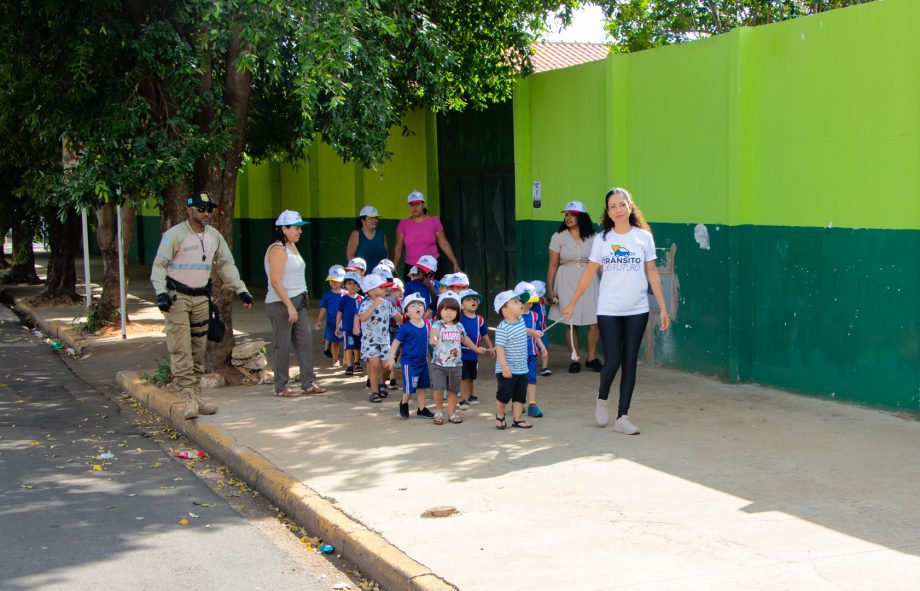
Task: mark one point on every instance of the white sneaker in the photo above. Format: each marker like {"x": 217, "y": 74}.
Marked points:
{"x": 624, "y": 425}
{"x": 600, "y": 412}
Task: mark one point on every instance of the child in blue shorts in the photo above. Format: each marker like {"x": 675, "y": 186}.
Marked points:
{"x": 347, "y": 324}
{"x": 535, "y": 347}
{"x": 329, "y": 309}
{"x": 540, "y": 308}
{"x": 475, "y": 326}
{"x": 413, "y": 339}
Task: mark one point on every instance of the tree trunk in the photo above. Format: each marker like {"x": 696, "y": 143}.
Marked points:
{"x": 63, "y": 237}
{"x": 172, "y": 211}
{"x": 220, "y": 173}
{"x": 4, "y": 230}
{"x": 107, "y": 235}
{"x": 22, "y": 267}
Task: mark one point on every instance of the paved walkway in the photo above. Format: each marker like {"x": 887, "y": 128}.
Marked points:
{"x": 727, "y": 487}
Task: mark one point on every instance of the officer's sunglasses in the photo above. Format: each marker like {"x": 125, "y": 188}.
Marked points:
{"x": 206, "y": 208}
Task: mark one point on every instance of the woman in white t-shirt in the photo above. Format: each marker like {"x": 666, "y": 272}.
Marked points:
{"x": 625, "y": 252}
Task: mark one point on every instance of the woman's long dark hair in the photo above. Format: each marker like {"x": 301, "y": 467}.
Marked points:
{"x": 635, "y": 214}
{"x": 278, "y": 235}
{"x": 585, "y": 226}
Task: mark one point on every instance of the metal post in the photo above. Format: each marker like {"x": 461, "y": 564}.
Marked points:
{"x": 121, "y": 277}
{"x": 89, "y": 291}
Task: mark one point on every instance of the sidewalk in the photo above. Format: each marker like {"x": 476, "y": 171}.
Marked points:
{"x": 727, "y": 487}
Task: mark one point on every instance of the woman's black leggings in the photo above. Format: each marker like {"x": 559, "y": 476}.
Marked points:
{"x": 621, "y": 337}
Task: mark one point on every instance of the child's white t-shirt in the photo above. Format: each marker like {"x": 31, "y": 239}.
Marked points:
{"x": 624, "y": 286}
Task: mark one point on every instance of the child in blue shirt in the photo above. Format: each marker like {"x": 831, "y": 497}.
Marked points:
{"x": 511, "y": 359}
{"x": 413, "y": 339}
{"x": 540, "y": 308}
{"x": 328, "y": 311}
{"x": 478, "y": 332}
{"x": 420, "y": 282}
{"x": 535, "y": 348}
{"x": 347, "y": 324}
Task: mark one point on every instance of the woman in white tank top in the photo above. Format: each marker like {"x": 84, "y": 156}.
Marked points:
{"x": 286, "y": 303}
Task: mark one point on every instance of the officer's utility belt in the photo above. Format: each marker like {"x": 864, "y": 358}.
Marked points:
{"x": 190, "y": 291}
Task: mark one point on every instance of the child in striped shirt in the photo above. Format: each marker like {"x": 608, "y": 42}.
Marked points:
{"x": 511, "y": 359}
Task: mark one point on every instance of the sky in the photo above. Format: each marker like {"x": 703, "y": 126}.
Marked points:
{"x": 587, "y": 27}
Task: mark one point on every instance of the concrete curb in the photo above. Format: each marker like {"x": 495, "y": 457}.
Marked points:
{"x": 54, "y": 328}
{"x": 376, "y": 558}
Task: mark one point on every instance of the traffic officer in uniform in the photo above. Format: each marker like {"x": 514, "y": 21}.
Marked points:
{"x": 181, "y": 278}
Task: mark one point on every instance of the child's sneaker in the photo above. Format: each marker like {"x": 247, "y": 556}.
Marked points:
{"x": 404, "y": 410}
{"x": 624, "y": 425}
{"x": 424, "y": 413}
{"x": 546, "y": 371}
{"x": 394, "y": 385}
{"x": 533, "y": 410}
{"x": 358, "y": 368}
{"x": 464, "y": 405}
{"x": 327, "y": 353}
{"x": 367, "y": 383}
{"x": 350, "y": 370}
{"x": 474, "y": 400}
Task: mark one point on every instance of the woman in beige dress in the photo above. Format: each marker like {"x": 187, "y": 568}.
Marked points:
{"x": 569, "y": 249}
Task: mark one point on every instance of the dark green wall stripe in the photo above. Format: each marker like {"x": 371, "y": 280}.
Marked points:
{"x": 824, "y": 311}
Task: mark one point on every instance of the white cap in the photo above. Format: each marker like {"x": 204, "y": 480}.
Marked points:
{"x": 383, "y": 271}
{"x": 415, "y": 196}
{"x": 373, "y": 281}
{"x": 355, "y": 264}
{"x": 506, "y": 296}
{"x": 398, "y": 283}
{"x": 412, "y": 297}
{"x": 574, "y": 207}
{"x": 336, "y": 273}
{"x": 470, "y": 293}
{"x": 459, "y": 280}
{"x": 529, "y": 289}
{"x": 368, "y": 211}
{"x": 290, "y": 218}
{"x": 353, "y": 276}
{"x": 388, "y": 263}
{"x": 539, "y": 288}
{"x": 413, "y": 270}
{"x": 448, "y": 295}
{"x": 427, "y": 263}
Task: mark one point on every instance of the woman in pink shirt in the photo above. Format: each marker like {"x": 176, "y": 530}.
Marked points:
{"x": 421, "y": 234}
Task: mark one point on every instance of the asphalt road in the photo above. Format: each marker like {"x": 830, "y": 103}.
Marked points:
{"x": 72, "y": 517}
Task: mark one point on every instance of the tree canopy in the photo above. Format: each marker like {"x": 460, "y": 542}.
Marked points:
{"x": 642, "y": 24}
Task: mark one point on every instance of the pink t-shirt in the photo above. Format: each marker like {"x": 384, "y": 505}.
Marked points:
{"x": 419, "y": 237}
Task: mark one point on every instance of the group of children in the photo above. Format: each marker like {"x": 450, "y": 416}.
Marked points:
{"x": 390, "y": 326}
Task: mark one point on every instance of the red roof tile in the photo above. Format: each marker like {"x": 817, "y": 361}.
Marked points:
{"x": 553, "y": 55}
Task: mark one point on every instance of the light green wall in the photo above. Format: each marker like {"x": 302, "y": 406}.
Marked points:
{"x": 800, "y": 123}
{"x": 325, "y": 186}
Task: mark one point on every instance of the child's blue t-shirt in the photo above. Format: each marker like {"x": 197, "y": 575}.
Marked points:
{"x": 416, "y": 286}
{"x": 414, "y": 342}
{"x": 348, "y": 306}
{"x": 475, "y": 328}
{"x": 331, "y": 302}
{"x": 531, "y": 322}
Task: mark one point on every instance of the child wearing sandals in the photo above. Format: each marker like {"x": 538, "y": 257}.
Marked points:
{"x": 511, "y": 359}
{"x": 413, "y": 338}
{"x": 535, "y": 346}
{"x": 446, "y": 336}
{"x": 476, "y": 328}
{"x": 375, "y": 314}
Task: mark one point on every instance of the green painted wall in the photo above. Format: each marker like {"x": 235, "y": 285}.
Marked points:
{"x": 797, "y": 149}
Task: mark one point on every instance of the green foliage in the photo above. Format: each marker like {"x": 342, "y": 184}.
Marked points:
{"x": 641, "y": 24}
{"x": 161, "y": 376}
{"x": 94, "y": 323}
